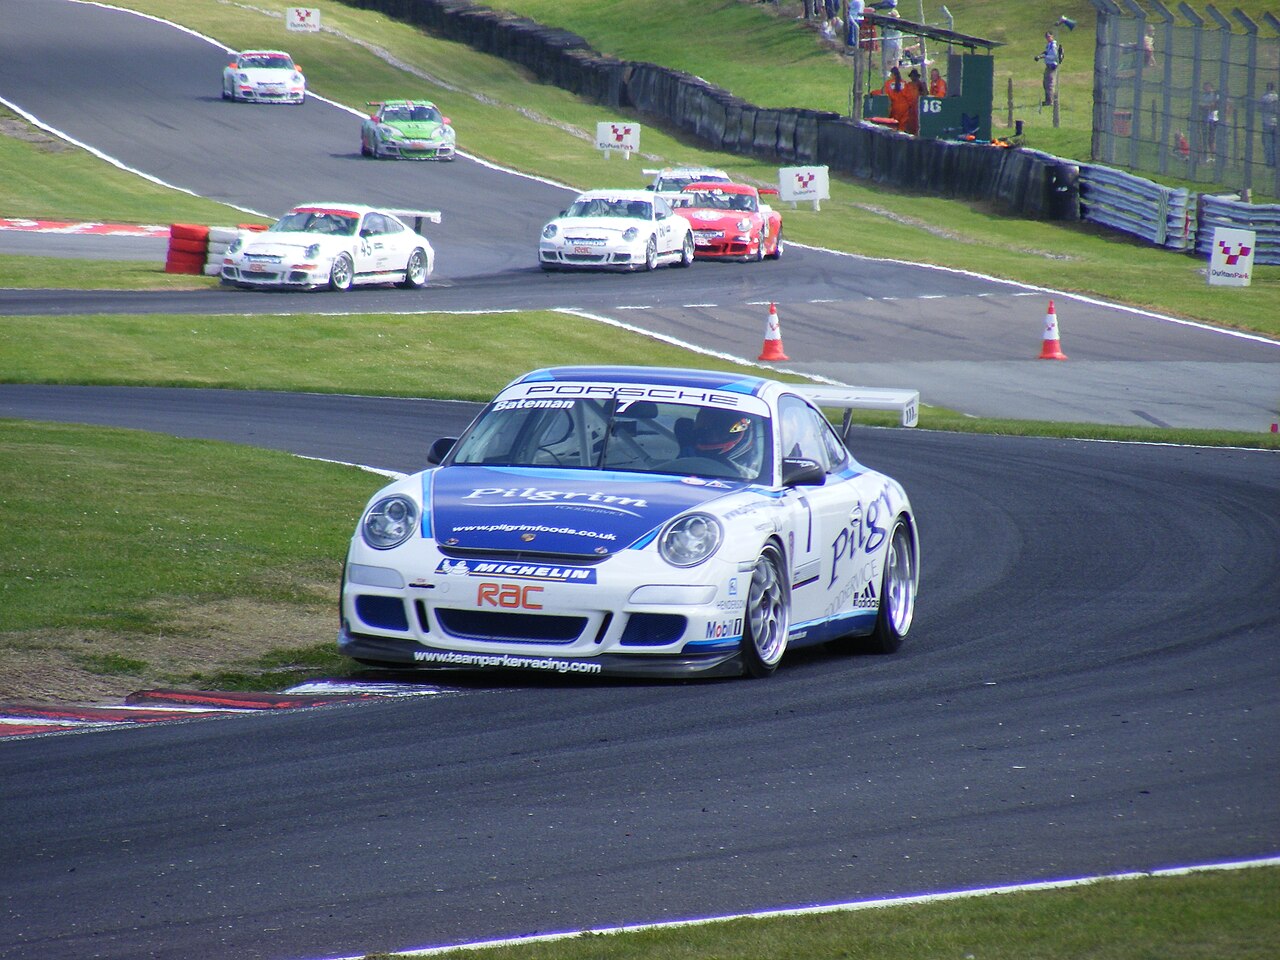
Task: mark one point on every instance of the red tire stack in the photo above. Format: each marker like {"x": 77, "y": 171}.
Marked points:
{"x": 188, "y": 248}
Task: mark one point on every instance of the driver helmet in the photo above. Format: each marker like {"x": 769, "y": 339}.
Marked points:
{"x": 723, "y": 433}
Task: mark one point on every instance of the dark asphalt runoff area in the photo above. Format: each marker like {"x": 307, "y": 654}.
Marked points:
{"x": 1089, "y": 686}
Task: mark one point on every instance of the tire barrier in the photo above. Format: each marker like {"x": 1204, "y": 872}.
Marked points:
{"x": 188, "y": 248}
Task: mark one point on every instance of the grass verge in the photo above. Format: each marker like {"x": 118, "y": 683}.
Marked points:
{"x": 1195, "y": 917}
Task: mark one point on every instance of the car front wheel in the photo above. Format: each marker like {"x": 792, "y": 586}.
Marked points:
{"x": 651, "y": 254}
{"x": 341, "y": 273}
{"x": 686, "y": 252}
{"x": 777, "y": 247}
{"x": 415, "y": 271}
{"x": 768, "y": 620}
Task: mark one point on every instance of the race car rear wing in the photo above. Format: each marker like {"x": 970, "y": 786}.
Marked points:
{"x": 906, "y": 402}
{"x": 416, "y": 218}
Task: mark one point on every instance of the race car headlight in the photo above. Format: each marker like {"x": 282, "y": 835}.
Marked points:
{"x": 691, "y": 539}
{"x": 312, "y": 251}
{"x": 389, "y": 522}
{"x": 236, "y": 244}
{"x": 744, "y": 224}
{"x": 630, "y": 234}
{"x": 391, "y": 133}
{"x": 242, "y": 77}
{"x": 297, "y": 78}
{"x": 549, "y": 231}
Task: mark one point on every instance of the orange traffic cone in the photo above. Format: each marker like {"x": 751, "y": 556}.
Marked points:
{"x": 772, "y": 349}
{"x": 1051, "y": 348}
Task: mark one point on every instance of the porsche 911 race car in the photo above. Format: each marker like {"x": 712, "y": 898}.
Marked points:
{"x": 669, "y": 181}
{"x": 730, "y": 221}
{"x": 636, "y": 521}
{"x": 408, "y": 130}
{"x": 264, "y": 76}
{"x": 334, "y": 245}
{"x": 616, "y": 229}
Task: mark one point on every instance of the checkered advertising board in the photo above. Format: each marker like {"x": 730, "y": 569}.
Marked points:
{"x": 1231, "y": 260}
{"x": 803, "y": 183}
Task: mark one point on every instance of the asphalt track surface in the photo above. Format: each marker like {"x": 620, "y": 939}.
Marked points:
{"x": 1089, "y": 688}
{"x": 966, "y": 342}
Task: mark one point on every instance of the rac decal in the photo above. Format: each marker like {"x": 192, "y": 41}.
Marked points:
{"x": 510, "y": 596}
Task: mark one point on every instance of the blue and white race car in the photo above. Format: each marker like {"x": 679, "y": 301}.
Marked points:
{"x": 636, "y": 521}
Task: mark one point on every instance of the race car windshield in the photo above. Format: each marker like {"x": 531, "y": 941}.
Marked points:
{"x": 605, "y": 207}
{"x": 317, "y": 221}
{"x": 679, "y": 183}
{"x": 417, "y": 114}
{"x": 269, "y": 63}
{"x": 640, "y": 436}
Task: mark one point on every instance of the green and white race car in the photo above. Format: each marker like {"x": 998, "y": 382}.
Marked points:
{"x": 408, "y": 130}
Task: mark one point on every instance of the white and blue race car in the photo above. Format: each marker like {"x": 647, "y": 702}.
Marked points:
{"x": 636, "y": 521}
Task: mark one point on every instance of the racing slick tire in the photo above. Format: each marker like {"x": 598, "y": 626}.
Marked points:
{"x": 777, "y": 247}
{"x": 415, "y": 271}
{"x": 759, "y": 257}
{"x": 364, "y": 149}
{"x": 768, "y": 616}
{"x": 686, "y": 253}
{"x": 651, "y": 254}
{"x": 897, "y": 591}
{"x": 341, "y": 273}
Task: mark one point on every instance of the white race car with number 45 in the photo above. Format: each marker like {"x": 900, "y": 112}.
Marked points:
{"x": 334, "y": 245}
{"x": 636, "y": 521}
{"x": 616, "y": 229}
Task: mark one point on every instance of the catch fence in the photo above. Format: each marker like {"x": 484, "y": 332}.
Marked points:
{"x": 1188, "y": 96}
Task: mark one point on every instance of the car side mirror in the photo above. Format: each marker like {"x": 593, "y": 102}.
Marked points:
{"x": 650, "y": 186}
{"x": 440, "y": 449}
{"x": 446, "y": 121}
{"x": 802, "y": 472}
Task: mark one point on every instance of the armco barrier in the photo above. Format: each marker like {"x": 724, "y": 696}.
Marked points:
{"x": 1160, "y": 215}
{"x": 1230, "y": 211}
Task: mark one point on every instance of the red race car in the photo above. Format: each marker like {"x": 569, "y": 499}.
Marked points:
{"x": 730, "y": 221}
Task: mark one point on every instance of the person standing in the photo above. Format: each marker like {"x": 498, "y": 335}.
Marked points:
{"x": 1052, "y": 59}
{"x": 937, "y": 86}
{"x": 896, "y": 90}
{"x": 1268, "y": 107}
{"x": 890, "y": 42}
{"x": 1209, "y": 117}
{"x": 912, "y": 92}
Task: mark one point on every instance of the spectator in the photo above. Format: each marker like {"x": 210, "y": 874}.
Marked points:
{"x": 1052, "y": 58}
{"x": 890, "y": 42}
{"x": 1149, "y": 46}
{"x": 1268, "y": 107}
{"x": 1208, "y": 108}
{"x": 937, "y": 86}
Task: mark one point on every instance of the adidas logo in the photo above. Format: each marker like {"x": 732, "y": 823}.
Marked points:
{"x": 867, "y": 600}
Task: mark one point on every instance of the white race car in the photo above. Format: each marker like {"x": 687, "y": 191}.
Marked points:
{"x": 264, "y": 76}
{"x": 616, "y": 229}
{"x": 636, "y": 521}
{"x": 669, "y": 181}
{"x": 334, "y": 245}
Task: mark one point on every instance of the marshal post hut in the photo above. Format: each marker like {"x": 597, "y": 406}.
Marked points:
{"x": 964, "y": 113}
